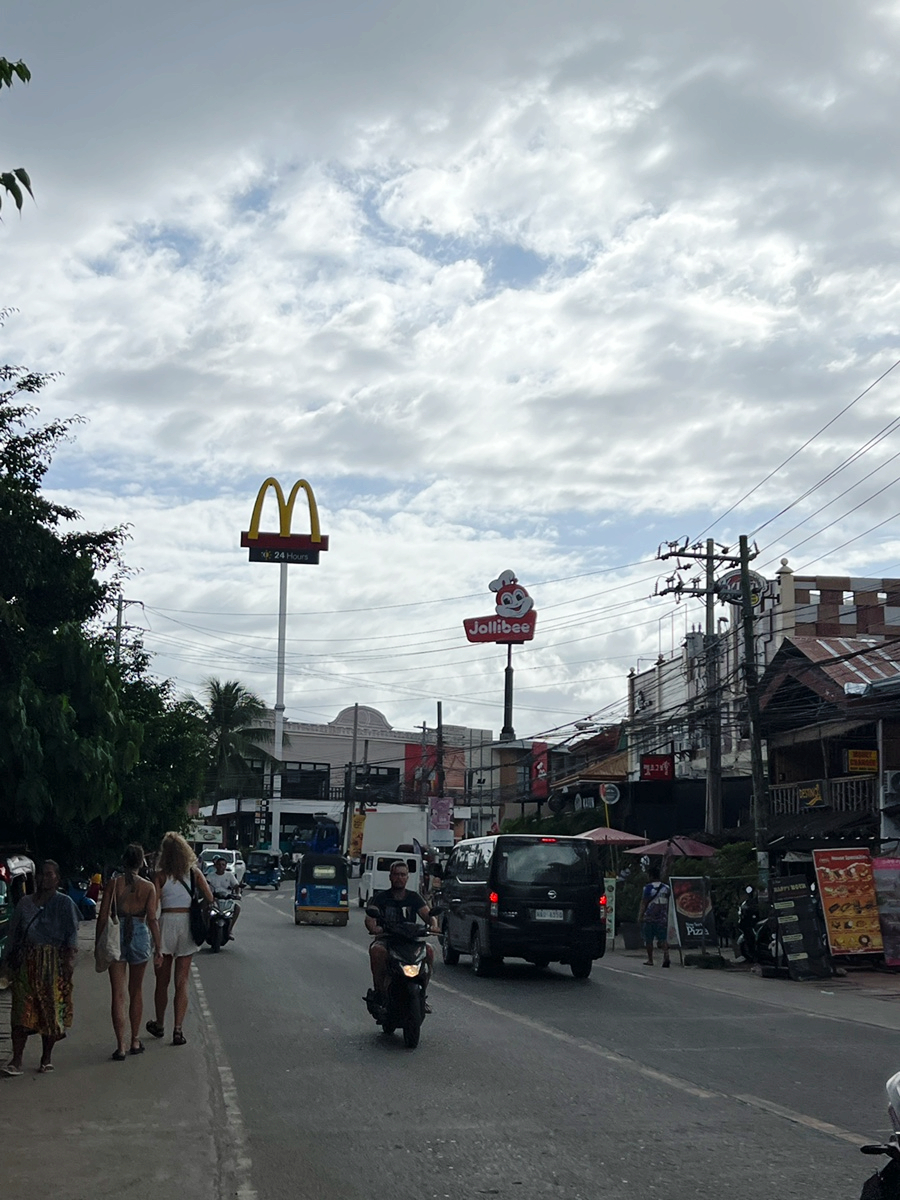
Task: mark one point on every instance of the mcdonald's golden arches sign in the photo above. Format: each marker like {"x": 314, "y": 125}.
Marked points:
{"x": 284, "y": 546}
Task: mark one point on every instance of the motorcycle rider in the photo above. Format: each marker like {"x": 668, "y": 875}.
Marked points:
{"x": 396, "y": 905}
{"x": 225, "y": 886}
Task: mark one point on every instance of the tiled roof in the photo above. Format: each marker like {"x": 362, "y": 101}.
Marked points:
{"x": 851, "y": 660}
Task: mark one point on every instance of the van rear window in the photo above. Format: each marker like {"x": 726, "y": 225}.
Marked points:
{"x": 545, "y": 863}
{"x": 385, "y": 863}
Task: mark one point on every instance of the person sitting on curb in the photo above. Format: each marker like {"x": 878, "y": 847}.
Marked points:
{"x": 654, "y": 916}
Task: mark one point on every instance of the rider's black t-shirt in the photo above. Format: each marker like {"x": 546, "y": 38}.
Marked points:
{"x": 396, "y": 911}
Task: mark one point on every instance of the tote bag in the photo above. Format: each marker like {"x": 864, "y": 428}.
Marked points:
{"x": 109, "y": 946}
{"x": 199, "y": 921}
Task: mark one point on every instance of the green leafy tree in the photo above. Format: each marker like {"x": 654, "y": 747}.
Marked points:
{"x": 167, "y": 777}
{"x": 231, "y": 715}
{"x": 12, "y": 182}
{"x": 66, "y": 745}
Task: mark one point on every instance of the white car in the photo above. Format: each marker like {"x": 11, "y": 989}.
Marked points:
{"x": 233, "y": 862}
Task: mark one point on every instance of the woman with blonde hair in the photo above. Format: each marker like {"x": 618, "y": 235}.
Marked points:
{"x": 139, "y": 937}
{"x": 177, "y": 879}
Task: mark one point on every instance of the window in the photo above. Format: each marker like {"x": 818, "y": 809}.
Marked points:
{"x": 550, "y": 863}
{"x": 386, "y": 861}
{"x": 480, "y": 862}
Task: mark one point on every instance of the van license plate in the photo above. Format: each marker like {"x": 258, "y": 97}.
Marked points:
{"x": 549, "y": 914}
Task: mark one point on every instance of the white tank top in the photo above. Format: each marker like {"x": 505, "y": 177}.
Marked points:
{"x": 176, "y": 893}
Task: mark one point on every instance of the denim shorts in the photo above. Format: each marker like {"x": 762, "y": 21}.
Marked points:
{"x": 134, "y": 939}
{"x": 655, "y": 931}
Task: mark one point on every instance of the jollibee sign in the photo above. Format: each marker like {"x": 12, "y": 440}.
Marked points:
{"x": 514, "y": 618}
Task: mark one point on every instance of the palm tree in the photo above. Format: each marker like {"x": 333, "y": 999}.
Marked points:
{"x": 231, "y": 714}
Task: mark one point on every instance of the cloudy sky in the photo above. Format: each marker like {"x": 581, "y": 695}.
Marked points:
{"x": 521, "y": 286}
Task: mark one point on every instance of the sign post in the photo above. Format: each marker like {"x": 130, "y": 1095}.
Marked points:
{"x": 513, "y": 623}
{"x": 284, "y": 548}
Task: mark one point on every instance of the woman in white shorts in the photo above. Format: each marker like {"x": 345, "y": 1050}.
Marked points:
{"x": 176, "y": 876}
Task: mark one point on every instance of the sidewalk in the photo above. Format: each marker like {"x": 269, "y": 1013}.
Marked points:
{"x": 97, "y": 1129}
{"x": 867, "y": 997}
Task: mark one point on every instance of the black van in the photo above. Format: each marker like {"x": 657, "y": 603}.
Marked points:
{"x": 524, "y": 896}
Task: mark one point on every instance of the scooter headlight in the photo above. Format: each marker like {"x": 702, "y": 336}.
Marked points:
{"x": 411, "y": 970}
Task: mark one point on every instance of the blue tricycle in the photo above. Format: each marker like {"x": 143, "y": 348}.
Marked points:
{"x": 263, "y": 869}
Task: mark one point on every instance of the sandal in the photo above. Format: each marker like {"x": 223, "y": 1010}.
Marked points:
{"x": 116, "y": 1056}
{"x": 178, "y": 1038}
{"x": 45, "y": 1068}
{"x": 156, "y": 1029}
{"x": 138, "y": 1049}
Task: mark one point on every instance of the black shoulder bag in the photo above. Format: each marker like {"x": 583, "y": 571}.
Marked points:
{"x": 198, "y": 917}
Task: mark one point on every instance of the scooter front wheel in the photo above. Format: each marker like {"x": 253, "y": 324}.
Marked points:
{"x": 412, "y": 1026}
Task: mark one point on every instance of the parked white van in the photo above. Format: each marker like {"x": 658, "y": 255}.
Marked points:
{"x": 376, "y": 873}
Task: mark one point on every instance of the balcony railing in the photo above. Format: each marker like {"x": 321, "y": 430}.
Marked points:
{"x": 854, "y": 793}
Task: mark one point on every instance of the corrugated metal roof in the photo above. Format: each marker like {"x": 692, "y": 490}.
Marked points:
{"x": 852, "y": 660}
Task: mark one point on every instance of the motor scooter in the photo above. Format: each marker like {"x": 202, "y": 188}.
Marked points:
{"x": 885, "y": 1183}
{"x": 409, "y": 975}
{"x": 87, "y": 908}
{"x": 218, "y": 929}
{"x": 758, "y": 939}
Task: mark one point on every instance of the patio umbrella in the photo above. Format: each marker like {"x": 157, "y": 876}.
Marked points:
{"x": 676, "y": 847}
{"x": 612, "y": 837}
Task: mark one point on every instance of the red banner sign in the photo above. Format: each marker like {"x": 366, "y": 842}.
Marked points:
{"x": 540, "y": 770}
{"x": 656, "y": 768}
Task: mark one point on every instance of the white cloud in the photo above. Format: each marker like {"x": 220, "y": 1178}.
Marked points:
{"x": 533, "y": 292}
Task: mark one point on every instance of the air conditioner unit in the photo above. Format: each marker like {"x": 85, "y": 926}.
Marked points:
{"x": 890, "y": 781}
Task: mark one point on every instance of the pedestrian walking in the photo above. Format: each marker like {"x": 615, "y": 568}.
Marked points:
{"x": 139, "y": 937}
{"x": 177, "y": 879}
{"x": 40, "y": 962}
{"x": 654, "y": 916}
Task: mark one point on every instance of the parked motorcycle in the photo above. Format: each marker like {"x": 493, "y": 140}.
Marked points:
{"x": 409, "y": 976}
{"x": 885, "y": 1183}
{"x": 758, "y": 940}
{"x": 218, "y": 930}
{"x": 87, "y": 908}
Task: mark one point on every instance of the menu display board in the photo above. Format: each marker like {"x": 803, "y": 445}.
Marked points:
{"x": 847, "y": 894}
{"x": 887, "y": 888}
{"x": 694, "y": 917}
{"x": 798, "y": 928}
{"x": 610, "y": 887}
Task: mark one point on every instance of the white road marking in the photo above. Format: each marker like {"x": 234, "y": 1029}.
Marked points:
{"x": 236, "y": 1129}
{"x": 630, "y": 1064}
{"x": 788, "y": 1114}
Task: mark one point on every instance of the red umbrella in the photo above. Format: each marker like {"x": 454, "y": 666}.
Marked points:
{"x": 677, "y": 847}
{"x": 612, "y": 837}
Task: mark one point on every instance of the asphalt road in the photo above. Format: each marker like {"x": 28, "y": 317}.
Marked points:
{"x": 529, "y": 1084}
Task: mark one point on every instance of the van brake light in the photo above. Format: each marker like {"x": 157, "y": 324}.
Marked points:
{"x": 603, "y": 901}
{"x": 494, "y": 898}
{"x": 553, "y": 840}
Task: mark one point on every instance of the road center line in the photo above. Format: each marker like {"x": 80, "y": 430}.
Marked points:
{"x": 236, "y": 1129}
{"x": 631, "y": 1064}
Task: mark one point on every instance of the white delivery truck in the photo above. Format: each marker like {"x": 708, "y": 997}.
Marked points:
{"x": 394, "y": 825}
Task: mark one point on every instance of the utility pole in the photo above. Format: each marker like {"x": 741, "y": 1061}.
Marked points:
{"x": 439, "y": 751}
{"x": 120, "y": 607}
{"x": 751, "y": 680}
{"x": 714, "y": 725}
{"x": 699, "y": 552}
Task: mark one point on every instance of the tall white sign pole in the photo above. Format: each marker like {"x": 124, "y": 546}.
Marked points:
{"x": 283, "y": 547}
{"x": 278, "y": 750}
